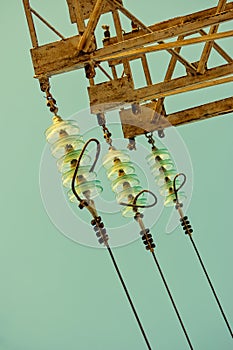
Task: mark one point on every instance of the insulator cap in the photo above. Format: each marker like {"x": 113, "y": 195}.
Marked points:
{"x": 93, "y": 222}
{"x": 147, "y": 239}
{"x": 100, "y": 231}
{"x": 186, "y": 225}
{"x": 152, "y": 246}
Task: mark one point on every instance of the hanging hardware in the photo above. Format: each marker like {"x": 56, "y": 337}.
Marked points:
{"x": 132, "y": 144}
{"x": 151, "y": 140}
{"x": 107, "y": 135}
{"x": 136, "y": 108}
{"x": 102, "y": 122}
{"x": 134, "y": 26}
{"x": 188, "y": 230}
{"x": 50, "y": 100}
{"x": 89, "y": 70}
{"x": 161, "y": 133}
{"x": 107, "y": 34}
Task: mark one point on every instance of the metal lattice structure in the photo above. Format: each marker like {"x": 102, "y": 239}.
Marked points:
{"x": 142, "y": 109}
{"x": 82, "y": 52}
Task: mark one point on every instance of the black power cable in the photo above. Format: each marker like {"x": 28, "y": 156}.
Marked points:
{"x": 188, "y": 231}
{"x": 172, "y": 301}
{"x": 129, "y": 298}
{"x": 150, "y": 245}
{"x": 211, "y": 285}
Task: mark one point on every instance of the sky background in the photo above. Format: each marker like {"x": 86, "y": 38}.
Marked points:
{"x": 57, "y": 294}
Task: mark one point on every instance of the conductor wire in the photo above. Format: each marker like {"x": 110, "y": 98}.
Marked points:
{"x": 129, "y": 298}
{"x": 172, "y": 301}
{"x": 188, "y": 230}
{"x": 211, "y": 285}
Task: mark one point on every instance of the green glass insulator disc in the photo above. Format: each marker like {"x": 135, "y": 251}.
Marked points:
{"x": 113, "y": 172}
{"x": 64, "y": 163}
{"x": 170, "y": 199}
{"x": 66, "y": 145}
{"x": 87, "y": 189}
{"x": 125, "y": 181}
{"x": 113, "y": 157}
{"x": 164, "y": 189}
{"x": 162, "y": 153}
{"x": 160, "y": 179}
{"x": 127, "y": 194}
{"x": 166, "y": 164}
{"x": 54, "y": 132}
{"x": 82, "y": 170}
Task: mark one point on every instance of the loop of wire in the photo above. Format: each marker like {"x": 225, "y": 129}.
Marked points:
{"x": 78, "y": 164}
{"x": 134, "y": 204}
{"x": 176, "y": 190}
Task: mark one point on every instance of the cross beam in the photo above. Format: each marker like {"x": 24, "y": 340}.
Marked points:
{"x": 62, "y": 56}
{"x": 116, "y": 94}
{"x": 135, "y": 125}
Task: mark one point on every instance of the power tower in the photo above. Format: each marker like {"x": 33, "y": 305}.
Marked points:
{"x": 142, "y": 109}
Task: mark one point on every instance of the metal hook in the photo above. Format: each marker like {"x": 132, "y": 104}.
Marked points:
{"x": 148, "y": 134}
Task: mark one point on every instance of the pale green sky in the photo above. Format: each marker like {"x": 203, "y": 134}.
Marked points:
{"x": 57, "y": 294}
